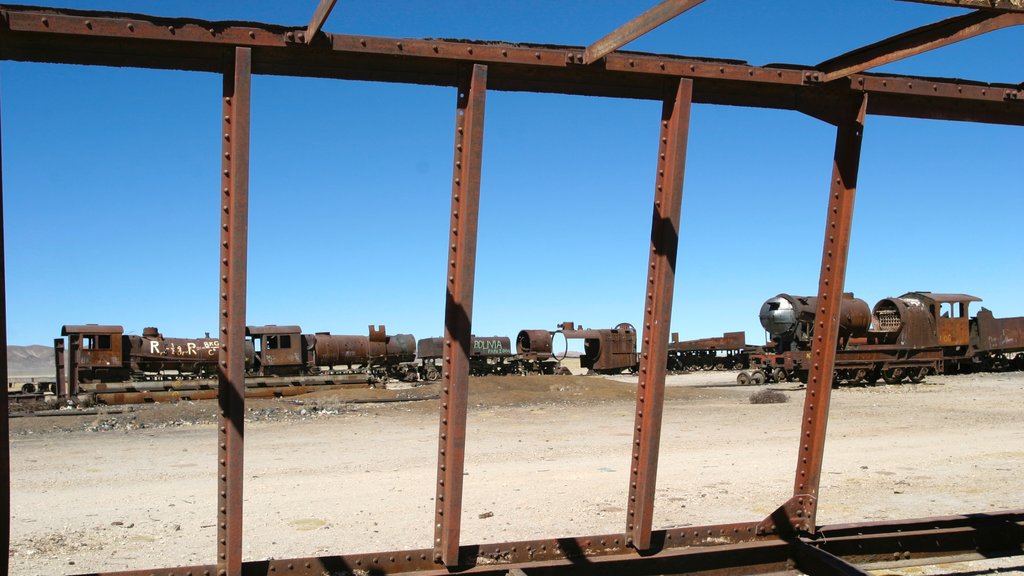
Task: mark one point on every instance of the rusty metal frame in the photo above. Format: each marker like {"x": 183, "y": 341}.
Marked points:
{"x": 234, "y": 261}
{"x": 458, "y": 317}
{"x": 661, "y": 268}
{"x": 787, "y": 538}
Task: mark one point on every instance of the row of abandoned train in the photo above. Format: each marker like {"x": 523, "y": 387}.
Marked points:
{"x": 908, "y": 337}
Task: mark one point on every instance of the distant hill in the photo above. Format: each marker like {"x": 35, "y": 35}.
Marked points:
{"x": 30, "y": 360}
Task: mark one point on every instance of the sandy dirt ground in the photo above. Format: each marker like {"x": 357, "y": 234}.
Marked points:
{"x": 546, "y": 456}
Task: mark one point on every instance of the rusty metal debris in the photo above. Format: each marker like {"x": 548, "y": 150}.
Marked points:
{"x": 789, "y": 537}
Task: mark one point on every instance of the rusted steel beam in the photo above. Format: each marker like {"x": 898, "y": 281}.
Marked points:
{"x": 917, "y": 41}
{"x": 76, "y": 37}
{"x": 3, "y": 366}
{"x": 458, "y": 323}
{"x": 637, "y": 27}
{"x": 661, "y": 273}
{"x": 838, "y": 222}
{"x": 716, "y": 550}
{"x": 234, "y": 257}
{"x": 1000, "y": 5}
{"x": 323, "y": 10}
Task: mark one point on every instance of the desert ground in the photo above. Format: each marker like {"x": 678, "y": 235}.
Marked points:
{"x": 339, "y": 472}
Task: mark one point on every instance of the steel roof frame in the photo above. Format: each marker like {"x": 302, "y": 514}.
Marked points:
{"x": 788, "y": 538}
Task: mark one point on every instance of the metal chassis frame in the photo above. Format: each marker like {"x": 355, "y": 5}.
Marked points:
{"x": 789, "y": 538}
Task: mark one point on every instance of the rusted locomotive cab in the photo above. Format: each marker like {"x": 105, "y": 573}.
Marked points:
{"x": 534, "y": 344}
{"x": 151, "y": 352}
{"x": 96, "y": 353}
{"x": 278, "y": 350}
{"x": 789, "y": 320}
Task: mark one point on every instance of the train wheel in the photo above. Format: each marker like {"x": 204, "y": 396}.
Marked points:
{"x": 860, "y": 375}
{"x": 28, "y": 388}
{"x": 779, "y": 375}
{"x": 917, "y": 376}
{"x": 892, "y": 375}
{"x": 743, "y": 378}
{"x": 757, "y": 377}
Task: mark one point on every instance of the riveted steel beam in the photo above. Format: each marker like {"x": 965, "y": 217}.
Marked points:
{"x": 113, "y": 39}
{"x": 650, "y": 392}
{"x": 637, "y": 27}
{"x": 838, "y": 222}
{"x": 917, "y": 41}
{"x": 3, "y": 366}
{"x": 710, "y": 550}
{"x": 458, "y": 323}
{"x": 1000, "y": 5}
{"x": 234, "y": 218}
{"x": 323, "y": 10}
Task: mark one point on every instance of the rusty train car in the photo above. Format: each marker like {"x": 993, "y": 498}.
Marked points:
{"x": 102, "y": 358}
{"x": 488, "y": 355}
{"x": 902, "y": 338}
{"x": 728, "y": 352}
{"x": 605, "y": 351}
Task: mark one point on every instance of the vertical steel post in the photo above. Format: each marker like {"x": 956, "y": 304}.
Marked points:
{"x": 58, "y": 363}
{"x": 458, "y": 318}
{"x": 650, "y": 392}
{"x": 3, "y": 369}
{"x": 838, "y": 222}
{"x": 231, "y": 365}
{"x": 74, "y": 346}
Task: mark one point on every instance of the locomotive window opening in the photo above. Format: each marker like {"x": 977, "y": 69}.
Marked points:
{"x": 103, "y": 341}
{"x": 947, "y": 310}
{"x": 285, "y": 341}
{"x": 88, "y": 342}
{"x": 961, "y": 309}
{"x": 272, "y": 343}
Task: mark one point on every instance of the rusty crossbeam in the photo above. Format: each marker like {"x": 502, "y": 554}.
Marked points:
{"x": 637, "y": 27}
{"x": 838, "y": 223}
{"x": 711, "y": 550}
{"x": 231, "y": 366}
{"x": 131, "y": 40}
{"x": 459, "y": 281}
{"x": 917, "y": 41}
{"x": 650, "y": 392}
{"x": 323, "y": 10}
{"x": 998, "y": 5}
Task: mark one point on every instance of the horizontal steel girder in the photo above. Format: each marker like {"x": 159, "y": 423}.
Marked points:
{"x": 693, "y": 550}
{"x": 75, "y": 37}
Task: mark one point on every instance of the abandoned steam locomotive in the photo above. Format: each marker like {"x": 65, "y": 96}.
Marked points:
{"x": 103, "y": 359}
{"x": 908, "y": 337}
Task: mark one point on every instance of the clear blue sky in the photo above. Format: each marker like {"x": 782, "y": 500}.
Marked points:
{"x": 111, "y": 180}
